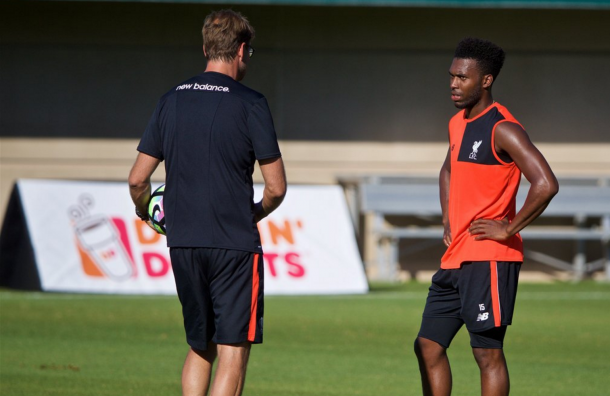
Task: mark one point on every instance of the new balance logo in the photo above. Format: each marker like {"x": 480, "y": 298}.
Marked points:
{"x": 203, "y": 87}
{"x": 475, "y": 150}
{"x": 483, "y": 317}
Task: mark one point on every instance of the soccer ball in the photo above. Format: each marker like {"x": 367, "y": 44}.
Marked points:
{"x": 155, "y": 210}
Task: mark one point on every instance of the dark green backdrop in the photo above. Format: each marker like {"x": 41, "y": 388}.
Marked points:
{"x": 87, "y": 69}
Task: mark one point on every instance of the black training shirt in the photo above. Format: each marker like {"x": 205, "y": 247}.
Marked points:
{"x": 210, "y": 130}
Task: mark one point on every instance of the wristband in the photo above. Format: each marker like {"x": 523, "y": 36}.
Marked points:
{"x": 141, "y": 216}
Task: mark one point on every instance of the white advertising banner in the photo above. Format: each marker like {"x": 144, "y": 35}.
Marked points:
{"x": 87, "y": 238}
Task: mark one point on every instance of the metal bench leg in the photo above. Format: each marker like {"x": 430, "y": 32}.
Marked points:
{"x": 388, "y": 252}
{"x": 608, "y": 261}
{"x": 383, "y": 263}
{"x": 393, "y": 259}
{"x": 580, "y": 259}
{"x": 381, "y": 253}
{"x": 371, "y": 247}
{"x": 606, "y": 244}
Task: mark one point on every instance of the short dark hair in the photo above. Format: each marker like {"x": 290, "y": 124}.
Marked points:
{"x": 223, "y": 32}
{"x": 488, "y": 55}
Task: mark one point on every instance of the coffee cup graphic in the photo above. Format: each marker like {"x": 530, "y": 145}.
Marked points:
{"x": 99, "y": 238}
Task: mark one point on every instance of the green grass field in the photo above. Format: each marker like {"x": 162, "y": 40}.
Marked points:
{"x": 64, "y": 344}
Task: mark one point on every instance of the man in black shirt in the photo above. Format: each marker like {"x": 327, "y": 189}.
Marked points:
{"x": 210, "y": 130}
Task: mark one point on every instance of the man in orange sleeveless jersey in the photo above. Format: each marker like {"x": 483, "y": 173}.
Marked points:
{"x": 477, "y": 282}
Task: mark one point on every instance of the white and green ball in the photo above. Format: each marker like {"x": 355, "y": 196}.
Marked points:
{"x": 155, "y": 210}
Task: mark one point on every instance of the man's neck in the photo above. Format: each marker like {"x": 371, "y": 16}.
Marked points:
{"x": 479, "y": 107}
{"x": 227, "y": 68}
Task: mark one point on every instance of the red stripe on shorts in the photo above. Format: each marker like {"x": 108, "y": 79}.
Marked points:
{"x": 495, "y": 294}
{"x": 254, "y": 301}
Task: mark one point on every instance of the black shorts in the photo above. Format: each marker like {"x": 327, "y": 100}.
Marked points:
{"x": 221, "y": 292}
{"x": 480, "y": 295}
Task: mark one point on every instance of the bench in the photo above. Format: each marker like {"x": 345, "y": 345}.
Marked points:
{"x": 585, "y": 207}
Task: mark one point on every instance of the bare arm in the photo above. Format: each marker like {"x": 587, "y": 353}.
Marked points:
{"x": 275, "y": 187}
{"x": 139, "y": 180}
{"x": 443, "y": 182}
{"x": 511, "y": 139}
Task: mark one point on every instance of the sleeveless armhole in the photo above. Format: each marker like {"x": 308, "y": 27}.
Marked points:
{"x": 504, "y": 159}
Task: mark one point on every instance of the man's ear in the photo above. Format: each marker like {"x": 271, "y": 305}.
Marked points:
{"x": 488, "y": 79}
{"x": 241, "y": 50}
{"x": 204, "y": 53}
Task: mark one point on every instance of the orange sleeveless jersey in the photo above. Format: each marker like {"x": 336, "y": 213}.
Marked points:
{"x": 483, "y": 186}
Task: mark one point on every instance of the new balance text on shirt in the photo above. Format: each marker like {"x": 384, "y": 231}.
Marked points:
{"x": 203, "y": 87}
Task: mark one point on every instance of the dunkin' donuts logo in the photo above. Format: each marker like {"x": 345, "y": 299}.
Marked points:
{"x": 281, "y": 254}
{"x": 105, "y": 248}
{"x": 109, "y": 250}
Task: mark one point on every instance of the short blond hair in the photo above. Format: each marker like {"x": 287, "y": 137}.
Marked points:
{"x": 223, "y": 32}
